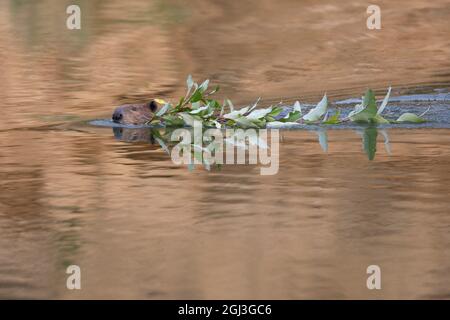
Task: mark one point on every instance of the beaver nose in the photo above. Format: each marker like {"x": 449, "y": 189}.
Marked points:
{"x": 117, "y": 116}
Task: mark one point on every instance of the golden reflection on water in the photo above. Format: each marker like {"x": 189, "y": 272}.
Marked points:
{"x": 141, "y": 227}
{"x": 277, "y": 50}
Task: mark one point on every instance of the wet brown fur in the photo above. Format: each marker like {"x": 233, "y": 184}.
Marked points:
{"x": 135, "y": 114}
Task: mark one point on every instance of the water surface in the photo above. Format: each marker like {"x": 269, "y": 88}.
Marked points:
{"x": 140, "y": 226}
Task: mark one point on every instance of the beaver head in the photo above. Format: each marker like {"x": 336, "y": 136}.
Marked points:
{"x": 135, "y": 113}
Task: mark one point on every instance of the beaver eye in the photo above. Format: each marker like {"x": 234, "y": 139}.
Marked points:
{"x": 153, "y": 106}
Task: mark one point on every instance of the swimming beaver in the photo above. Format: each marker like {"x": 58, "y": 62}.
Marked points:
{"x": 136, "y": 113}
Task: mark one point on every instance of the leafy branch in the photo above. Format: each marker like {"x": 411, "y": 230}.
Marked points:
{"x": 198, "y": 105}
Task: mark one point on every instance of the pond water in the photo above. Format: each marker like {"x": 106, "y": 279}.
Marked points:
{"x": 111, "y": 201}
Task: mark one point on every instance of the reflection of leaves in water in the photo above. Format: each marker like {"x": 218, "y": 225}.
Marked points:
{"x": 387, "y": 144}
{"x": 370, "y": 142}
{"x": 323, "y": 139}
{"x": 163, "y": 145}
{"x": 162, "y": 137}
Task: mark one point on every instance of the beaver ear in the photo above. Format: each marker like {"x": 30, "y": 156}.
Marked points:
{"x": 153, "y": 105}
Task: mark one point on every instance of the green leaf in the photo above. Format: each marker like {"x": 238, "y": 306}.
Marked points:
{"x": 190, "y": 83}
{"x": 275, "y": 111}
{"x": 163, "y": 110}
{"x": 297, "y": 106}
{"x": 236, "y": 114}
{"x": 279, "y": 124}
{"x": 291, "y": 117}
{"x": 232, "y": 115}
{"x": 259, "y": 113}
{"x": 334, "y": 119}
{"x": 367, "y": 111}
{"x": 385, "y": 102}
{"x": 214, "y": 104}
{"x": 410, "y": 117}
{"x": 196, "y": 96}
{"x": 154, "y": 121}
{"x": 316, "y": 113}
{"x": 196, "y": 105}
{"x": 260, "y": 123}
{"x": 180, "y": 103}
{"x": 173, "y": 121}
{"x": 189, "y": 119}
{"x": 230, "y": 104}
{"x": 379, "y": 119}
{"x": 204, "y": 86}
{"x": 245, "y": 123}
{"x": 198, "y": 110}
